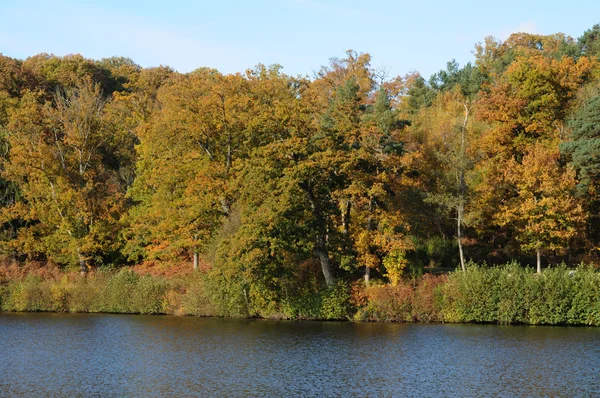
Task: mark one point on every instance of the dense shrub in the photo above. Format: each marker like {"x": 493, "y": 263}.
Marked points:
{"x": 117, "y": 295}
{"x": 427, "y": 300}
{"x": 472, "y": 296}
{"x": 509, "y": 294}
{"x": 315, "y": 302}
{"x": 306, "y": 305}
{"x": 418, "y": 300}
{"x": 121, "y": 292}
{"x": 149, "y": 296}
{"x": 388, "y": 302}
{"x": 195, "y": 299}
{"x": 335, "y": 302}
{"x": 85, "y": 293}
{"x": 28, "y": 294}
{"x": 512, "y": 294}
{"x": 548, "y": 297}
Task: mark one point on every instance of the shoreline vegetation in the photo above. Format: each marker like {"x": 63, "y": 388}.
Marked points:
{"x": 506, "y": 295}
{"x": 349, "y": 194}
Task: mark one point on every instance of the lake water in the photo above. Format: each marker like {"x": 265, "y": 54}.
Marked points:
{"x": 69, "y": 355}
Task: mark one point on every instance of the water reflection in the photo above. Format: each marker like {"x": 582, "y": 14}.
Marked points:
{"x": 117, "y": 355}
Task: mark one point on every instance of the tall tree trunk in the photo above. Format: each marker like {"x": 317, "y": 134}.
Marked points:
{"x": 195, "y": 260}
{"x": 346, "y": 230}
{"x": 370, "y": 227}
{"x": 539, "y": 261}
{"x": 323, "y": 256}
{"x": 460, "y": 211}
{"x": 462, "y": 187}
{"x": 320, "y": 249}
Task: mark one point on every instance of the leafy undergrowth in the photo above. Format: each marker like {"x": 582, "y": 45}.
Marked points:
{"x": 509, "y": 294}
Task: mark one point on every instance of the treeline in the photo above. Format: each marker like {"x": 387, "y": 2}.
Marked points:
{"x": 277, "y": 185}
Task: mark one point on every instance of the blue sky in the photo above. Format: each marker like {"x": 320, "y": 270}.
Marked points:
{"x": 301, "y": 35}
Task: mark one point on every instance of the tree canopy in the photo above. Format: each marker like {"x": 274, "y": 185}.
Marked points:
{"x": 277, "y": 183}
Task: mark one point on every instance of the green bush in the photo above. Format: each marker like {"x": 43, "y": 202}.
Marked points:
{"x": 472, "y": 296}
{"x": 85, "y": 292}
{"x": 149, "y": 296}
{"x": 29, "y": 294}
{"x": 512, "y": 294}
{"x": 585, "y": 305}
{"x": 509, "y": 294}
{"x": 117, "y": 295}
{"x": 509, "y": 286}
{"x": 314, "y": 302}
{"x": 552, "y": 297}
{"x": 196, "y": 300}
{"x": 334, "y": 302}
{"x": 302, "y": 306}
{"x": 129, "y": 293}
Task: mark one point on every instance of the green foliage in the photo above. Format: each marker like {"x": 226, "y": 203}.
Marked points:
{"x": 589, "y": 42}
{"x": 334, "y": 302}
{"x": 303, "y": 306}
{"x": 585, "y": 306}
{"x": 509, "y": 286}
{"x": 196, "y": 300}
{"x": 420, "y": 94}
{"x": 434, "y": 252}
{"x": 329, "y": 303}
{"x": 292, "y": 189}
{"x": 29, "y": 294}
{"x": 583, "y": 150}
{"x": 121, "y": 292}
{"x": 512, "y": 295}
{"x": 85, "y": 293}
{"x": 471, "y": 296}
{"x": 508, "y": 294}
{"x": 584, "y": 146}
{"x": 229, "y": 298}
{"x": 469, "y": 79}
{"x": 117, "y": 295}
{"x": 149, "y": 295}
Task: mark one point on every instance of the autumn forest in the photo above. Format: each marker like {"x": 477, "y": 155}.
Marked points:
{"x": 276, "y": 187}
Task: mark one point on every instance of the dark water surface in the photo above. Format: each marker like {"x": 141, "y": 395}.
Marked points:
{"x": 144, "y": 356}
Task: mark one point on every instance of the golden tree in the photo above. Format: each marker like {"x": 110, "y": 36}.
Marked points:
{"x": 544, "y": 210}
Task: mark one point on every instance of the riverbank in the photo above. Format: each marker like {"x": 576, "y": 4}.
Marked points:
{"x": 509, "y": 294}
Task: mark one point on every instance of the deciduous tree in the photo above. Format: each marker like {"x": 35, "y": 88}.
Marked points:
{"x": 58, "y": 158}
{"x": 543, "y": 209}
